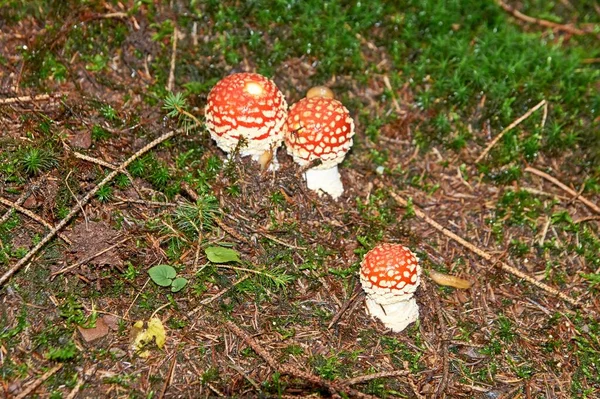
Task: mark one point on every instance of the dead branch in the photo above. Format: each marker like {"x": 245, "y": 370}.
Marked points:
{"x": 31, "y": 215}
{"x": 369, "y": 377}
{"x": 357, "y": 295}
{"x": 443, "y": 334}
{"x": 564, "y": 187}
{"x": 110, "y": 166}
{"x": 171, "y": 80}
{"x": 508, "y": 128}
{"x": 485, "y": 255}
{"x": 542, "y": 22}
{"x": 22, "y": 99}
{"x": 169, "y": 377}
{"x": 38, "y": 382}
{"x": 76, "y": 209}
{"x": 22, "y": 198}
{"x": 332, "y": 386}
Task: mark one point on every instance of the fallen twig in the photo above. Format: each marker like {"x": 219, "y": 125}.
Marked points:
{"x": 169, "y": 377}
{"x": 508, "y": 128}
{"x": 332, "y": 386}
{"x": 369, "y": 377}
{"x": 76, "y": 388}
{"x": 219, "y": 294}
{"x": 542, "y": 22}
{"x": 171, "y": 80}
{"x": 22, "y": 99}
{"x": 565, "y": 188}
{"x": 32, "y": 215}
{"x": 110, "y": 166}
{"x": 22, "y": 198}
{"x": 25, "y": 393}
{"x": 75, "y": 210}
{"x": 485, "y": 255}
{"x": 143, "y": 202}
{"x": 443, "y": 334}
{"x": 357, "y": 295}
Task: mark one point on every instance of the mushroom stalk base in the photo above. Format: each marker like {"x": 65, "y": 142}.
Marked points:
{"x": 325, "y": 180}
{"x": 395, "y": 316}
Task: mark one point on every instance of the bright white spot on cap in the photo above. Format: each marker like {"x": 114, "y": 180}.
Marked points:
{"x": 254, "y": 88}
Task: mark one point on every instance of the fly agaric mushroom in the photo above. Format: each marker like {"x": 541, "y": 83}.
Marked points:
{"x": 390, "y": 275}
{"x": 248, "y": 106}
{"x": 320, "y": 127}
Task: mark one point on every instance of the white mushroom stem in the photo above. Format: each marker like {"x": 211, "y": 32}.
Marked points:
{"x": 395, "y": 316}
{"x": 326, "y": 180}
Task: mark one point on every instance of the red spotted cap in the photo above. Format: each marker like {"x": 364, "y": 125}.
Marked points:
{"x": 389, "y": 273}
{"x": 246, "y": 105}
{"x": 319, "y": 127}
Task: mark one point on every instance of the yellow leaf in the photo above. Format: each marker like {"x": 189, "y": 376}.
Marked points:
{"x": 154, "y": 332}
{"x": 156, "y": 328}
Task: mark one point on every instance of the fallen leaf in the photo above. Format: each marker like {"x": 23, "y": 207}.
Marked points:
{"x": 155, "y": 331}
{"x": 450, "y": 281}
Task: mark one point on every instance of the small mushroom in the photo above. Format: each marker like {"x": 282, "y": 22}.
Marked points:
{"x": 320, "y": 127}
{"x": 320, "y": 91}
{"x": 247, "y": 106}
{"x": 390, "y": 275}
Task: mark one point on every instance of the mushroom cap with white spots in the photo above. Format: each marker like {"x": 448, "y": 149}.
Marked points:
{"x": 319, "y": 128}
{"x": 390, "y": 273}
{"x": 246, "y": 105}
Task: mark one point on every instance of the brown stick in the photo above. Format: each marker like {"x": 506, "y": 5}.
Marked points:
{"x": 565, "y": 188}
{"x": 542, "y": 22}
{"x": 22, "y": 198}
{"x": 39, "y": 97}
{"x": 443, "y": 334}
{"x": 485, "y": 255}
{"x": 369, "y": 377}
{"x": 32, "y": 215}
{"x": 171, "y": 80}
{"x": 75, "y": 210}
{"x": 331, "y": 386}
{"x": 38, "y": 382}
{"x": 508, "y": 128}
{"x": 110, "y": 166}
{"x": 169, "y": 377}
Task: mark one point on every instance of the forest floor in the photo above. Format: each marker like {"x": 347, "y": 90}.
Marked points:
{"x": 477, "y": 146}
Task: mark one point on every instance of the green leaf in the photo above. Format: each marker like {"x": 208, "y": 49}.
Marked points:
{"x": 178, "y": 284}
{"x": 592, "y": 278}
{"x": 222, "y": 255}
{"x": 162, "y": 275}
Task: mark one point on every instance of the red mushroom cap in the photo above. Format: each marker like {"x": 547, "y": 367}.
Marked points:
{"x": 390, "y": 273}
{"x": 319, "y": 127}
{"x": 246, "y": 105}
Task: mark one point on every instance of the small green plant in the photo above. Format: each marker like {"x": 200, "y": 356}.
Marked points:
{"x": 166, "y": 276}
{"x": 272, "y": 278}
{"x": 131, "y": 272}
{"x": 34, "y": 161}
{"x": 99, "y": 133}
{"x": 62, "y": 353}
{"x": 176, "y": 106}
{"x": 104, "y": 194}
{"x": 108, "y": 112}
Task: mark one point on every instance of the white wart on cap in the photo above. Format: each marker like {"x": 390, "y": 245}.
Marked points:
{"x": 390, "y": 275}
{"x": 249, "y": 106}
{"x": 320, "y": 127}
